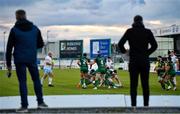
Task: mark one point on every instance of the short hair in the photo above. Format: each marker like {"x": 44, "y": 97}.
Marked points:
{"x": 50, "y": 53}
{"x": 84, "y": 54}
{"x": 138, "y": 18}
{"x": 20, "y": 14}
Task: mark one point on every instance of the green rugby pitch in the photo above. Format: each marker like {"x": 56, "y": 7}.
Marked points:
{"x": 65, "y": 82}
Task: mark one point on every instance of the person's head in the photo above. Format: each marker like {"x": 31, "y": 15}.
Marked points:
{"x": 109, "y": 59}
{"x": 159, "y": 58}
{"x": 138, "y": 19}
{"x": 172, "y": 53}
{"x": 20, "y": 14}
{"x": 50, "y": 54}
{"x": 99, "y": 54}
{"x": 84, "y": 55}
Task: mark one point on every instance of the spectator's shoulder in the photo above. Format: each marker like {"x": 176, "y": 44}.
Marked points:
{"x": 129, "y": 29}
{"x": 12, "y": 29}
{"x": 36, "y": 27}
{"x": 148, "y": 30}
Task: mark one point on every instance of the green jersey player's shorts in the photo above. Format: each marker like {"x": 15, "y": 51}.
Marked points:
{"x": 84, "y": 69}
{"x": 101, "y": 70}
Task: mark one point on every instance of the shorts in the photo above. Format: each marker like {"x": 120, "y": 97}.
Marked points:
{"x": 84, "y": 70}
{"x": 101, "y": 70}
{"x": 47, "y": 70}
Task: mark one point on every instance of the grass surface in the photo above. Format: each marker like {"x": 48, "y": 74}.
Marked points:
{"x": 65, "y": 82}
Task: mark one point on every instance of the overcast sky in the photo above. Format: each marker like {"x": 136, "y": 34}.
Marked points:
{"x": 87, "y": 19}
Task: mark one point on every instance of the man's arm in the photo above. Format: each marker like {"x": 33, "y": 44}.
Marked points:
{"x": 122, "y": 42}
{"x": 10, "y": 45}
{"x": 153, "y": 44}
{"x": 40, "y": 42}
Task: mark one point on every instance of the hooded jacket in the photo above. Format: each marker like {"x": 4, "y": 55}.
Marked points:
{"x": 25, "y": 38}
{"x": 139, "y": 39}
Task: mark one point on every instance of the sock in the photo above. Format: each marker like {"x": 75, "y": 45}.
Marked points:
{"x": 172, "y": 82}
{"x": 96, "y": 83}
{"x": 87, "y": 82}
{"x": 42, "y": 80}
{"x": 106, "y": 82}
{"x": 174, "y": 79}
{"x": 168, "y": 84}
{"x": 50, "y": 80}
{"x": 84, "y": 81}
{"x": 163, "y": 85}
{"x": 81, "y": 81}
{"x": 120, "y": 84}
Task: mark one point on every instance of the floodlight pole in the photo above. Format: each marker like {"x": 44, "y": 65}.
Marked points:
{"x": 4, "y": 49}
{"x": 47, "y": 41}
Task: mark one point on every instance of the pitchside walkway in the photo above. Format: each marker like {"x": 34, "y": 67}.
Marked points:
{"x": 90, "y": 101}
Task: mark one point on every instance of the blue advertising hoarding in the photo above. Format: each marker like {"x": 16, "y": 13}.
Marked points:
{"x": 100, "y": 45}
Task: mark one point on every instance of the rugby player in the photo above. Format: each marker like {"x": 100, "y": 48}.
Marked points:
{"x": 48, "y": 69}
{"x": 100, "y": 72}
{"x": 160, "y": 69}
{"x": 83, "y": 64}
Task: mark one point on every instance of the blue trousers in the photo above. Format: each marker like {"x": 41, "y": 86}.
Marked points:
{"x": 21, "y": 74}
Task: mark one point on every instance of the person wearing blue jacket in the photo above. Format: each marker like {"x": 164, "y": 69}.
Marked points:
{"x": 24, "y": 39}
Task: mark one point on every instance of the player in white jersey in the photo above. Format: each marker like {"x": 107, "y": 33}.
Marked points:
{"x": 174, "y": 60}
{"x": 48, "y": 66}
{"x": 109, "y": 64}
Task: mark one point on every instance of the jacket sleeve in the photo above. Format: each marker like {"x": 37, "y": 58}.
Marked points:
{"x": 122, "y": 41}
{"x": 40, "y": 42}
{"x": 153, "y": 43}
{"x": 10, "y": 45}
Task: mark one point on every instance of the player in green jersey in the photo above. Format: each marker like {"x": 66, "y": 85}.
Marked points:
{"x": 160, "y": 69}
{"x": 83, "y": 64}
{"x": 108, "y": 79}
{"x": 170, "y": 73}
{"x": 101, "y": 63}
{"x": 109, "y": 64}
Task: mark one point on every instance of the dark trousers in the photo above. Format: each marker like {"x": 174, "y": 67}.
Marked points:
{"x": 21, "y": 74}
{"x": 136, "y": 68}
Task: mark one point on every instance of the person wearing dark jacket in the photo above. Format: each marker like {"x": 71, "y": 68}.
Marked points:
{"x": 139, "y": 39}
{"x": 25, "y": 38}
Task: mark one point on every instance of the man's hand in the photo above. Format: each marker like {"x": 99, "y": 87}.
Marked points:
{"x": 9, "y": 72}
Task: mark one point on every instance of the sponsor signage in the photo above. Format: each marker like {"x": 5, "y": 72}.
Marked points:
{"x": 100, "y": 45}
{"x": 71, "y": 48}
{"x": 174, "y": 29}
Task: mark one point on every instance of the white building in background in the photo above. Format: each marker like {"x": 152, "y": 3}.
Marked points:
{"x": 168, "y": 38}
{"x": 50, "y": 46}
